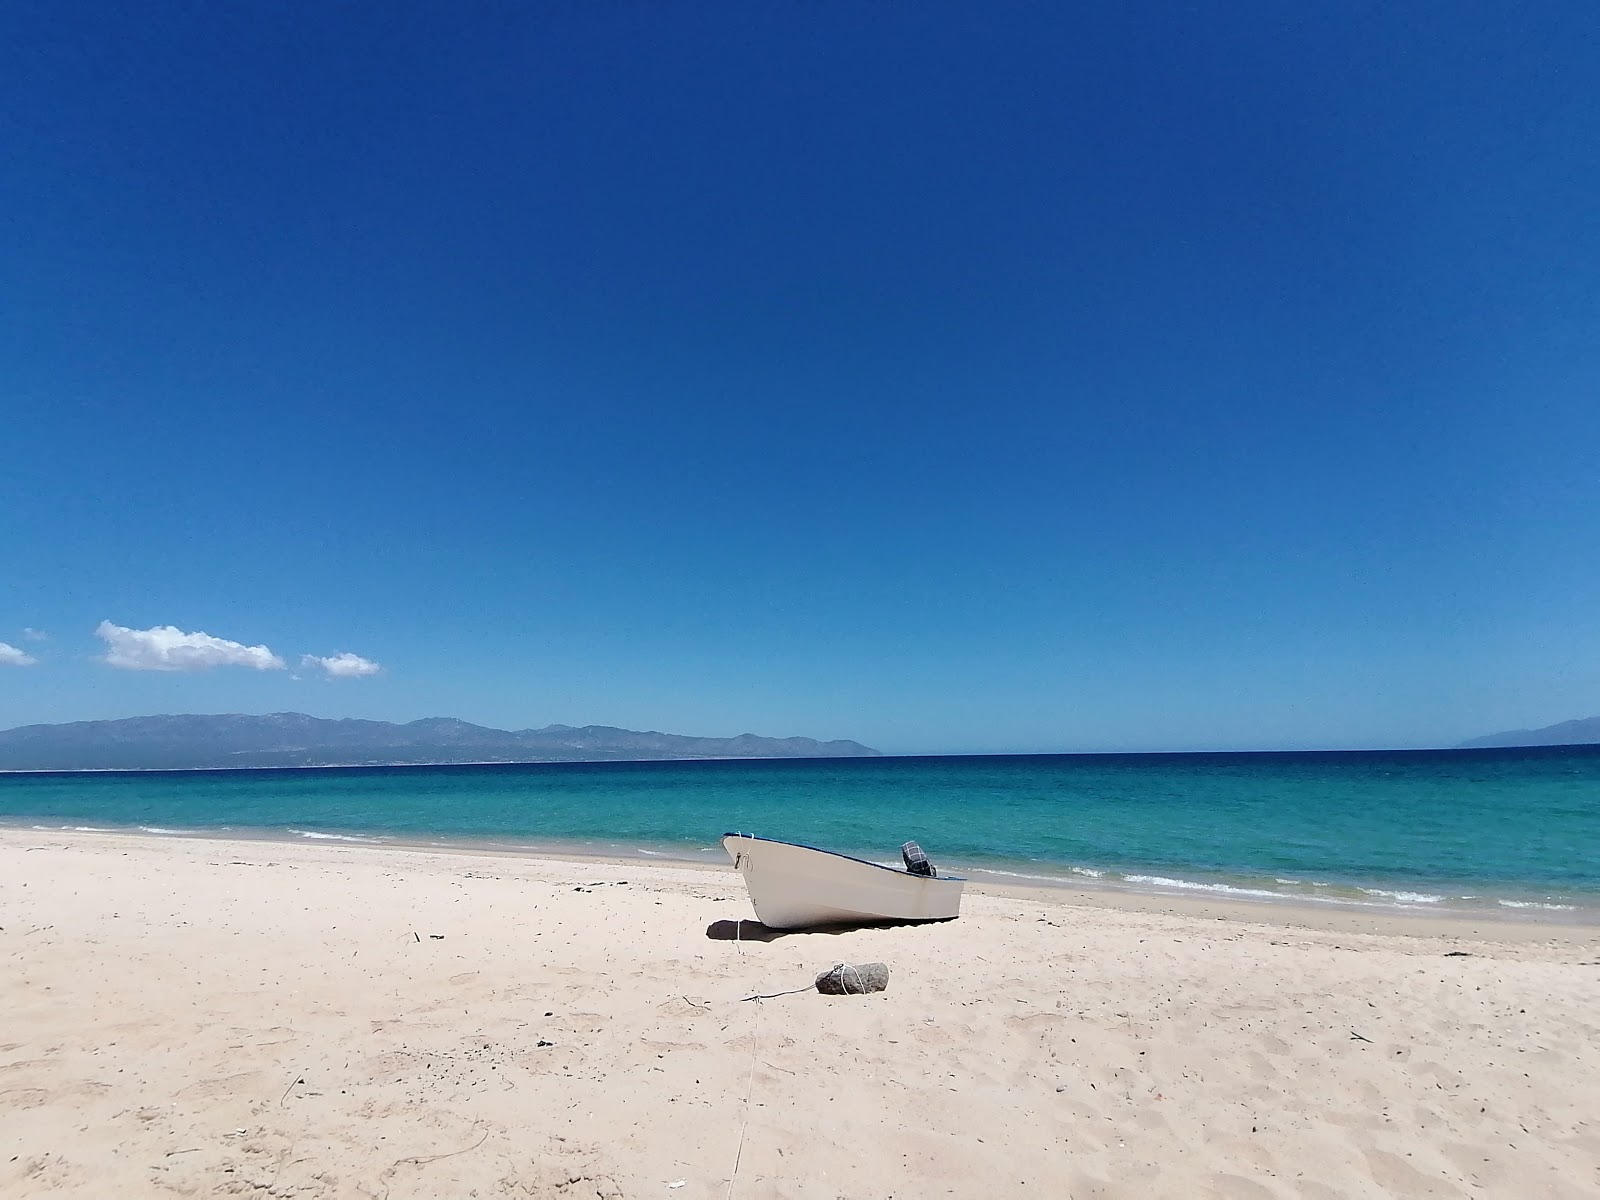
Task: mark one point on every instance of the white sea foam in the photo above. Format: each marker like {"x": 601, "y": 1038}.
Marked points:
{"x": 1228, "y": 889}
{"x": 1538, "y": 904}
{"x": 651, "y": 853}
{"x": 331, "y": 837}
{"x": 1191, "y": 885}
{"x": 1404, "y": 897}
{"x": 71, "y": 829}
{"x": 998, "y": 871}
{"x": 159, "y": 829}
{"x": 1085, "y": 872}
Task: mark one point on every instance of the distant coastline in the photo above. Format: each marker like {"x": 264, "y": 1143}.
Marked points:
{"x": 1585, "y": 731}
{"x": 193, "y": 741}
{"x": 402, "y": 764}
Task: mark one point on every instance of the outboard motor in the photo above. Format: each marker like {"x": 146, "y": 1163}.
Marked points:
{"x": 916, "y": 861}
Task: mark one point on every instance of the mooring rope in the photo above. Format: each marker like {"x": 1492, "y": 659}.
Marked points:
{"x": 738, "y": 923}
{"x": 744, "y": 1125}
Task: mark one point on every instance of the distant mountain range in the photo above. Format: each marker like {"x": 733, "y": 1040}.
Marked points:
{"x": 296, "y": 740}
{"x": 1582, "y": 732}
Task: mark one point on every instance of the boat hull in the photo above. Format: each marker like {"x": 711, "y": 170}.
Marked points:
{"x": 798, "y": 887}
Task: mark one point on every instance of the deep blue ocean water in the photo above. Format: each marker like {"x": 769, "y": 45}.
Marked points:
{"x": 1497, "y": 829}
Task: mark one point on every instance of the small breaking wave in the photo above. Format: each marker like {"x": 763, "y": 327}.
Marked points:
{"x": 334, "y": 837}
{"x": 1281, "y": 888}
{"x": 1538, "y": 904}
{"x": 1403, "y": 897}
{"x": 1023, "y": 875}
{"x": 1226, "y": 889}
{"x": 161, "y": 830}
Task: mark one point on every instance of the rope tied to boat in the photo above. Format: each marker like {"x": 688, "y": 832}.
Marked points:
{"x": 750, "y": 1087}
{"x": 738, "y": 925}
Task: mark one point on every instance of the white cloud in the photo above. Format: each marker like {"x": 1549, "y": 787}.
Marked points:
{"x": 35, "y": 635}
{"x": 168, "y": 648}
{"x": 10, "y": 656}
{"x": 343, "y": 665}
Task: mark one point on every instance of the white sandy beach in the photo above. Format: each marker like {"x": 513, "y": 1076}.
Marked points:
{"x": 205, "y": 1017}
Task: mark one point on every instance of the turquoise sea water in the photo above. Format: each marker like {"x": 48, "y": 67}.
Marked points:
{"x": 1479, "y": 829}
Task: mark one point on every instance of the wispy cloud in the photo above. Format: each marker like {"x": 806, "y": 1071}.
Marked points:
{"x": 10, "y": 656}
{"x": 35, "y": 635}
{"x": 168, "y": 648}
{"x": 343, "y": 665}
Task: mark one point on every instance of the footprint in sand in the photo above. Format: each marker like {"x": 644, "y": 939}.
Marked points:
{"x": 245, "y": 1082}
{"x": 1397, "y": 1177}
{"x": 1237, "y": 1187}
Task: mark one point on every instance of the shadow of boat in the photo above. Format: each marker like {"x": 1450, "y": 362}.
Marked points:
{"x": 745, "y": 931}
{"x": 755, "y": 931}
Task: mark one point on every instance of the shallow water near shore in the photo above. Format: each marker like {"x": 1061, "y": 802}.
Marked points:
{"x": 1510, "y": 831}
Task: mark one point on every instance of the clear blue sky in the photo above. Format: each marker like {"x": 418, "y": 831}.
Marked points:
{"x": 1004, "y": 376}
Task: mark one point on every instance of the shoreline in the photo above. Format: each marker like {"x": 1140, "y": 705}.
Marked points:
{"x": 1398, "y": 835}
{"x": 1330, "y": 916}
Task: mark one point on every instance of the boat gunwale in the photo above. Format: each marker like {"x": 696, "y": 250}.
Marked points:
{"x": 866, "y": 862}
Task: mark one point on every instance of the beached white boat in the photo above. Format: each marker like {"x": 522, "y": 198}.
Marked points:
{"x": 793, "y": 887}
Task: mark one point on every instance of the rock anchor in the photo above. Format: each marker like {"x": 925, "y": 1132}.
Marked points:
{"x": 851, "y": 979}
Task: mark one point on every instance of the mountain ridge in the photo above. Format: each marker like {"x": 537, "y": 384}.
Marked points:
{"x": 177, "y": 741}
{"x": 1582, "y": 731}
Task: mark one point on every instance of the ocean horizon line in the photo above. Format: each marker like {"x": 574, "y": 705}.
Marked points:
{"x": 879, "y": 757}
